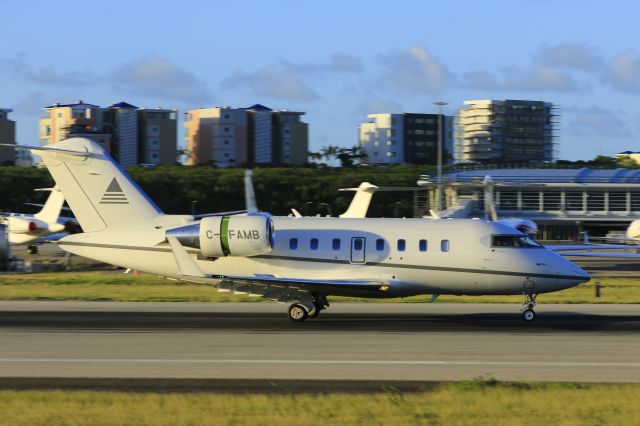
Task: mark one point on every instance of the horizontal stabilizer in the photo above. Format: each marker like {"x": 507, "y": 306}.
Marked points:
{"x": 49, "y": 149}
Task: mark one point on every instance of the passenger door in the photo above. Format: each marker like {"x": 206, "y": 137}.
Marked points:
{"x": 358, "y": 249}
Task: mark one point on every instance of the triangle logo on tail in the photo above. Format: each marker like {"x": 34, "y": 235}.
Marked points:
{"x": 114, "y": 194}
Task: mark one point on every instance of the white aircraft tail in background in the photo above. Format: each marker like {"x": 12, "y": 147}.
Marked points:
{"x": 28, "y": 228}
{"x": 52, "y": 207}
{"x": 361, "y": 200}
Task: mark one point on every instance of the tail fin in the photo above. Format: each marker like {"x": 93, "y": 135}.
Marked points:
{"x": 100, "y": 193}
{"x": 52, "y": 207}
{"x": 633, "y": 231}
{"x": 361, "y": 200}
{"x": 249, "y": 193}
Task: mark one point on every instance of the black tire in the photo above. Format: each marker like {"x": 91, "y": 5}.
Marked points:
{"x": 298, "y": 313}
{"x": 529, "y": 315}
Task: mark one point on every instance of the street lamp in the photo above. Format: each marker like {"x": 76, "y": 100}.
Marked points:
{"x": 440, "y": 105}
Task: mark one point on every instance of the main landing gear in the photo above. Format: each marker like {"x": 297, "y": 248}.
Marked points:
{"x": 529, "y": 303}
{"x": 300, "y": 311}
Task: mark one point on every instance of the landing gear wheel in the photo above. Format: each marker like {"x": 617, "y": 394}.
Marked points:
{"x": 529, "y": 315}
{"x": 527, "y": 307}
{"x": 297, "y": 313}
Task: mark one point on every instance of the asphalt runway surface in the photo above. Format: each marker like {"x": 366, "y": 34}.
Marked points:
{"x": 350, "y": 342}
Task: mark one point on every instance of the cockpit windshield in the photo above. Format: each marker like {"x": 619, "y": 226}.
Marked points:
{"x": 521, "y": 241}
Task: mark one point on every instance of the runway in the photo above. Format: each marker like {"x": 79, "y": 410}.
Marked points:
{"x": 350, "y": 341}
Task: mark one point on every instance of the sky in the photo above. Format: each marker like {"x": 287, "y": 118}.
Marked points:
{"x": 335, "y": 60}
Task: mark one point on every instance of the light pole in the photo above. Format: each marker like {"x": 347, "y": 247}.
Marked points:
{"x": 440, "y": 105}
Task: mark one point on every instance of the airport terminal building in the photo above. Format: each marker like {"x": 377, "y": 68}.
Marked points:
{"x": 563, "y": 202}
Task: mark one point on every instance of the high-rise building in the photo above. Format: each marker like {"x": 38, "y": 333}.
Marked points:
{"x": 7, "y": 135}
{"x": 216, "y": 136}
{"x": 130, "y": 134}
{"x": 405, "y": 138}
{"x": 157, "y": 136}
{"x": 227, "y": 136}
{"x": 505, "y": 131}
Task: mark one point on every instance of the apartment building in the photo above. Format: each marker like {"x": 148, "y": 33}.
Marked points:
{"x": 405, "y": 138}
{"x": 7, "y": 135}
{"x": 505, "y": 131}
{"x": 130, "y": 134}
{"x": 229, "y": 137}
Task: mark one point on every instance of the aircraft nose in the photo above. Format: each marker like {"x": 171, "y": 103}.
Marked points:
{"x": 580, "y": 274}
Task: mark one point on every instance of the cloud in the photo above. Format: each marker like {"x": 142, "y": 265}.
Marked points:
{"x": 576, "y": 56}
{"x": 534, "y": 78}
{"x": 32, "y": 104}
{"x": 157, "y": 77}
{"x": 623, "y": 72}
{"x": 274, "y": 81}
{"x": 547, "y": 71}
{"x": 336, "y": 63}
{"x": 598, "y": 121}
{"x": 20, "y": 67}
{"x": 539, "y": 78}
{"x": 414, "y": 70}
{"x": 345, "y": 63}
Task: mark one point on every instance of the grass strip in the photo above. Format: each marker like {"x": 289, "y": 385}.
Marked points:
{"x": 477, "y": 402}
{"x": 115, "y": 286}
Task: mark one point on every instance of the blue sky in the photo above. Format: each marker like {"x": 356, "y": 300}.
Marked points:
{"x": 335, "y": 60}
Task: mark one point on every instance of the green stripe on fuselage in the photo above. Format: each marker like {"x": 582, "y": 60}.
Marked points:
{"x": 224, "y": 235}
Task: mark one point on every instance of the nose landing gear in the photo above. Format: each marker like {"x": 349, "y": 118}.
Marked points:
{"x": 528, "y": 314}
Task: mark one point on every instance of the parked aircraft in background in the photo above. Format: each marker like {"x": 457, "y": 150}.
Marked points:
{"x": 29, "y": 228}
{"x": 300, "y": 260}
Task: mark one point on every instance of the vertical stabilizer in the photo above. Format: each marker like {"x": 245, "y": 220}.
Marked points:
{"x": 249, "y": 193}
{"x": 100, "y": 193}
{"x": 361, "y": 200}
{"x": 52, "y": 207}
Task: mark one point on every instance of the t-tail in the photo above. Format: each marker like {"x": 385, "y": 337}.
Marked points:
{"x": 100, "y": 193}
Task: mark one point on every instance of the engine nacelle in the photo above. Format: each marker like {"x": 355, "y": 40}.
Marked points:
{"x": 219, "y": 236}
{"x": 21, "y": 225}
{"x": 523, "y": 225}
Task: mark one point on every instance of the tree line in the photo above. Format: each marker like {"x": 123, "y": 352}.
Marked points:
{"x": 182, "y": 190}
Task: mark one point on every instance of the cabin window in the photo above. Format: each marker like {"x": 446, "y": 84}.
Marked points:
{"x": 313, "y": 244}
{"x": 336, "y": 244}
{"x": 293, "y": 244}
{"x": 514, "y": 241}
{"x": 402, "y": 244}
{"x": 444, "y": 245}
{"x": 357, "y": 244}
{"x": 379, "y": 244}
{"x": 422, "y": 245}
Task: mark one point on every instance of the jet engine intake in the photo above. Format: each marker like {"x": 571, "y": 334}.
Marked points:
{"x": 219, "y": 236}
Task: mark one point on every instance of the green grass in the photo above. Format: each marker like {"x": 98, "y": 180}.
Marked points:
{"x": 114, "y": 286}
{"x": 467, "y": 403}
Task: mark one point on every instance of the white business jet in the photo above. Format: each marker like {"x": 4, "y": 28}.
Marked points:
{"x": 28, "y": 228}
{"x": 300, "y": 260}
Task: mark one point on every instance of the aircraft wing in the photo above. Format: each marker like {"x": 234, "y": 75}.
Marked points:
{"x": 594, "y": 254}
{"x": 583, "y": 247}
{"x": 268, "y": 286}
{"x": 303, "y": 284}
{"x": 591, "y": 250}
